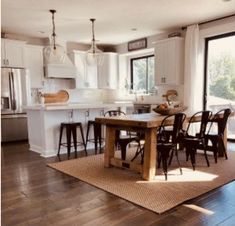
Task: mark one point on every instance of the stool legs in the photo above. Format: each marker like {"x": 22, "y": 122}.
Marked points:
{"x": 87, "y": 132}
{"x": 68, "y": 135}
{"x": 75, "y": 140}
{"x": 61, "y": 131}
{"x": 97, "y": 134}
{"x": 83, "y": 140}
{"x": 71, "y": 129}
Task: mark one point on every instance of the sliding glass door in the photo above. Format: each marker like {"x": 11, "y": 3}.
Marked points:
{"x": 220, "y": 76}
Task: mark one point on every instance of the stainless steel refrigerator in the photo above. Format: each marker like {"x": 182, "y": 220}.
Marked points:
{"x": 15, "y": 94}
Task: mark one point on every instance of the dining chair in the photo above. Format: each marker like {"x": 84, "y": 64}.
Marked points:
{"x": 219, "y": 120}
{"x": 166, "y": 146}
{"x": 193, "y": 138}
{"x": 120, "y": 141}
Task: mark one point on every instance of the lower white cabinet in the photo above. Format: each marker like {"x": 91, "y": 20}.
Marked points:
{"x": 34, "y": 62}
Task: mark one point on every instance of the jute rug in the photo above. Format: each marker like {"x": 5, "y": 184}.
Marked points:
{"x": 158, "y": 195}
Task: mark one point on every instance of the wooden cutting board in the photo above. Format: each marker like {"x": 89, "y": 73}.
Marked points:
{"x": 61, "y": 96}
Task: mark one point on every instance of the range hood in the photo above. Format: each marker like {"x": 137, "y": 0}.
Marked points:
{"x": 60, "y": 70}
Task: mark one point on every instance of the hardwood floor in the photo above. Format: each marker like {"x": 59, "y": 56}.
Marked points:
{"x": 34, "y": 194}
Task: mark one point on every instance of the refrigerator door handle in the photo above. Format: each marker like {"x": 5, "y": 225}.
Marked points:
{"x": 12, "y": 91}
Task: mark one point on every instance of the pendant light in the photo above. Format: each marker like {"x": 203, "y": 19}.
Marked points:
{"x": 54, "y": 53}
{"x": 94, "y": 55}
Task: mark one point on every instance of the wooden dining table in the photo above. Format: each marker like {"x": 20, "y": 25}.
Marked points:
{"x": 146, "y": 124}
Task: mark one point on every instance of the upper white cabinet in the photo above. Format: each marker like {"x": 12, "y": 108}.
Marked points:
{"x": 108, "y": 71}
{"x": 87, "y": 75}
{"x": 169, "y": 61}
{"x": 12, "y": 53}
{"x": 34, "y": 62}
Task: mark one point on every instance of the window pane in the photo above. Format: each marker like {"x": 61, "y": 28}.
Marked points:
{"x": 151, "y": 82}
{"x": 139, "y": 74}
{"x": 143, "y": 74}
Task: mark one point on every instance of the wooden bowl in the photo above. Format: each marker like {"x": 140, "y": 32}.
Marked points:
{"x": 169, "y": 111}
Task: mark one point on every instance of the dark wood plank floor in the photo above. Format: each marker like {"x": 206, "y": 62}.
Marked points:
{"x": 33, "y": 194}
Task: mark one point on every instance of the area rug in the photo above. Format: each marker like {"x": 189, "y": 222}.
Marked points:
{"x": 158, "y": 195}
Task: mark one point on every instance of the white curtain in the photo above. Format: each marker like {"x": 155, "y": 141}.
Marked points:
{"x": 193, "y": 83}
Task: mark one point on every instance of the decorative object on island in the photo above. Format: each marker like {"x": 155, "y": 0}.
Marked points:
{"x": 54, "y": 53}
{"x": 137, "y": 44}
{"x": 60, "y": 97}
{"x": 165, "y": 109}
{"x": 170, "y": 96}
{"x": 94, "y": 55}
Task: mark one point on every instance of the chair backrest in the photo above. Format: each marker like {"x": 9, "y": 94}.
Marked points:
{"x": 221, "y": 118}
{"x": 114, "y": 113}
{"x": 177, "y": 126}
{"x": 205, "y": 117}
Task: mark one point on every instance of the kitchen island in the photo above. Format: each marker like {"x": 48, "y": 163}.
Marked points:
{"x": 44, "y": 122}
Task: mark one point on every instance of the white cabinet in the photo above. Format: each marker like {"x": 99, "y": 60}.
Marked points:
{"x": 169, "y": 61}
{"x": 34, "y": 62}
{"x": 87, "y": 75}
{"x": 12, "y": 52}
{"x": 108, "y": 71}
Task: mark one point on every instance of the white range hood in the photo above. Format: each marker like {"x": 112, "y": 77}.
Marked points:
{"x": 54, "y": 67}
{"x": 61, "y": 70}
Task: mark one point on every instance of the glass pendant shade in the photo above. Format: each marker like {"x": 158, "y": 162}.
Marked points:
{"x": 94, "y": 56}
{"x": 54, "y": 53}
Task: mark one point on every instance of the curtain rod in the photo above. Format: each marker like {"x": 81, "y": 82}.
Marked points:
{"x": 209, "y": 21}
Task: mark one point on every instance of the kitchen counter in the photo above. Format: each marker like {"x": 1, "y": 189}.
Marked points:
{"x": 44, "y": 122}
{"x": 70, "y": 106}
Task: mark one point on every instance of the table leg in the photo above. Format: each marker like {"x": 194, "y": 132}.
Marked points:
{"x": 150, "y": 154}
{"x": 221, "y": 153}
{"x": 109, "y": 145}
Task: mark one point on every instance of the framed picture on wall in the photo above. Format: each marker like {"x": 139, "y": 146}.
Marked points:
{"x": 137, "y": 44}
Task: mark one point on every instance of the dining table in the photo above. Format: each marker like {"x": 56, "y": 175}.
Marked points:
{"x": 146, "y": 124}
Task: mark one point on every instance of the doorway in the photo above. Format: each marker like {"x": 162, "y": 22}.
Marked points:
{"x": 219, "y": 89}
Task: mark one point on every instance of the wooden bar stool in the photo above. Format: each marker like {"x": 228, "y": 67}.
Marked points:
{"x": 97, "y": 134}
{"x": 71, "y": 128}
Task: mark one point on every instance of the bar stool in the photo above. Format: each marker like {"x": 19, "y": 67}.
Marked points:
{"x": 71, "y": 128}
{"x": 97, "y": 134}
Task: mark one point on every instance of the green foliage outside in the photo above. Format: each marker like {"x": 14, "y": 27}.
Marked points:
{"x": 143, "y": 76}
{"x": 222, "y": 76}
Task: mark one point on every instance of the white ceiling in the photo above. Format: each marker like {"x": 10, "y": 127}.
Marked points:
{"x": 115, "y": 19}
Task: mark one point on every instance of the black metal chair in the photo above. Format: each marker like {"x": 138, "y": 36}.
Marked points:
{"x": 166, "y": 146}
{"x": 197, "y": 140}
{"x": 217, "y": 139}
{"x": 121, "y": 141}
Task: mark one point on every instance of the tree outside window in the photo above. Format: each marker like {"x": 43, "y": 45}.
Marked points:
{"x": 142, "y": 74}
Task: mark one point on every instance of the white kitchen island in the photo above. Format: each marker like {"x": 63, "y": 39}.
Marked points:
{"x": 44, "y": 123}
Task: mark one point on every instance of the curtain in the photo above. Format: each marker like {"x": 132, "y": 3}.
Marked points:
{"x": 193, "y": 83}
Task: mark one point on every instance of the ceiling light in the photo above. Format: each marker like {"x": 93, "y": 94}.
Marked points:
{"x": 94, "y": 55}
{"x": 54, "y": 53}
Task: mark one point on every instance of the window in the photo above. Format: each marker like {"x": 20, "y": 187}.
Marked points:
{"x": 219, "y": 89}
{"x": 142, "y": 74}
